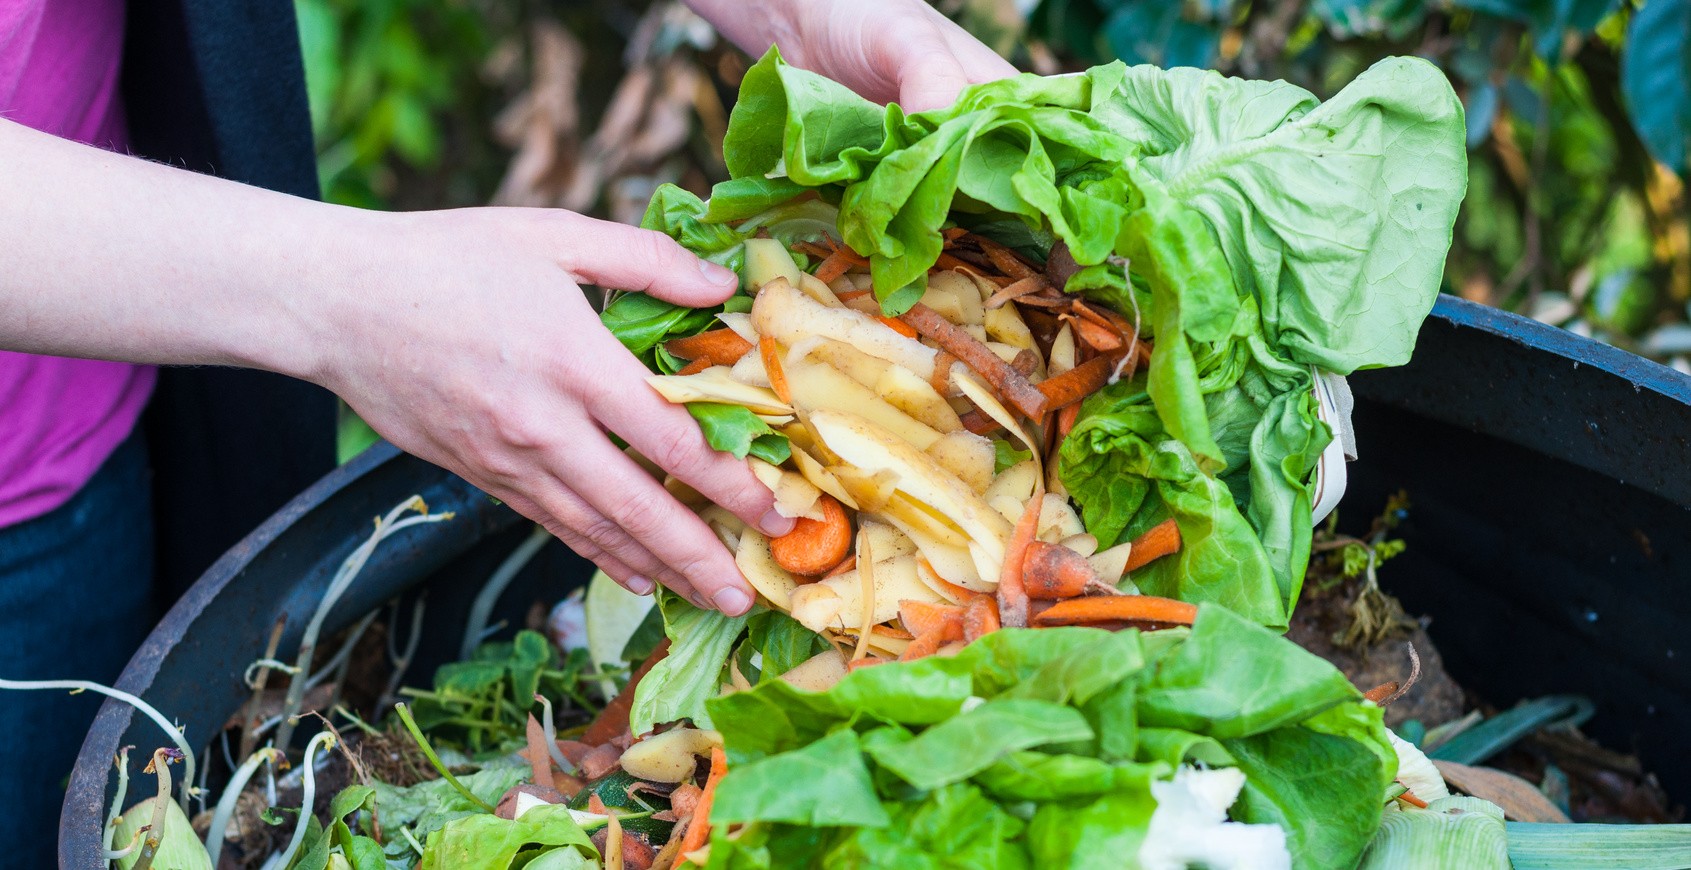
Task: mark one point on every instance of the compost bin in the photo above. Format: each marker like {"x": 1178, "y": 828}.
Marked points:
{"x": 1548, "y": 542}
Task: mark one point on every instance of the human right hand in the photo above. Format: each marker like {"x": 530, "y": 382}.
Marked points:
{"x": 471, "y": 345}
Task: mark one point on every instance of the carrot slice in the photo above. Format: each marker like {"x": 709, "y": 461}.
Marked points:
{"x": 921, "y": 617}
{"x": 698, "y": 829}
{"x": 1096, "y": 609}
{"x": 695, "y": 367}
{"x": 1024, "y": 287}
{"x": 814, "y": 546}
{"x": 846, "y": 564}
{"x": 899, "y": 326}
{"x": 539, "y": 758}
{"x": 1055, "y": 571}
{"x": 980, "y": 617}
{"x": 1012, "y": 594}
{"x": 1409, "y": 797}
{"x": 1094, "y": 334}
{"x": 1381, "y": 692}
{"x": 1066, "y": 418}
{"x": 1162, "y": 540}
{"x": 1005, "y": 380}
{"x": 723, "y": 347}
{"x": 929, "y": 642}
{"x": 772, "y": 366}
{"x": 834, "y": 265}
{"x": 613, "y": 720}
{"x": 1077, "y": 383}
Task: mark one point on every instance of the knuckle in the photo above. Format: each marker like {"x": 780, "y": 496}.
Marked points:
{"x": 682, "y": 453}
{"x": 645, "y": 513}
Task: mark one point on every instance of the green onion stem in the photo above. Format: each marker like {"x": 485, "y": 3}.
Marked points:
{"x": 428, "y": 751}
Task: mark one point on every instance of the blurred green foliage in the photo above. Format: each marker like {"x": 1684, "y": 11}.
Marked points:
{"x": 1578, "y": 114}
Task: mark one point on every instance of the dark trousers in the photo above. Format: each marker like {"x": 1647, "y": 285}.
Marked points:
{"x": 76, "y": 600}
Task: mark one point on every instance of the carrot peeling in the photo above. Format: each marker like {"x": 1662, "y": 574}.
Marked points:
{"x": 694, "y": 367}
{"x": 539, "y": 757}
{"x": 1012, "y": 594}
{"x": 980, "y": 617}
{"x": 1380, "y": 693}
{"x": 722, "y": 347}
{"x": 1077, "y": 383}
{"x": 1094, "y": 334}
{"x": 899, "y": 327}
{"x": 1007, "y": 261}
{"x": 1162, "y": 540}
{"x": 922, "y": 617}
{"x": 772, "y": 366}
{"x": 1019, "y": 289}
{"x": 1055, "y": 571}
{"x": 979, "y": 423}
{"x": 698, "y": 830}
{"x": 1409, "y": 797}
{"x": 814, "y": 546}
{"x": 833, "y": 266}
{"x": 1005, "y": 380}
{"x": 932, "y": 641}
{"x": 613, "y": 720}
{"x": 847, "y": 564}
{"x": 1094, "y": 610}
{"x": 1066, "y": 418}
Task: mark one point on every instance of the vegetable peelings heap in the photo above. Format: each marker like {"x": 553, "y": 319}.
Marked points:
{"x": 1044, "y": 358}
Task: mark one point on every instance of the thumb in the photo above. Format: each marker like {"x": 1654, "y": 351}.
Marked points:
{"x": 621, "y": 257}
{"x": 932, "y": 79}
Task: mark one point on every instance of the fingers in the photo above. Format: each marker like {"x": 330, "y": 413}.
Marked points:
{"x": 979, "y": 62}
{"x": 626, "y": 577}
{"x": 669, "y": 436}
{"x": 629, "y": 258}
{"x": 640, "y": 523}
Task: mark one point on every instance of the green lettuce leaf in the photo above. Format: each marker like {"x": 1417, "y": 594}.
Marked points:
{"x": 972, "y": 741}
{"x": 678, "y": 686}
{"x": 735, "y": 429}
{"x": 823, "y": 784}
{"x": 487, "y": 841}
{"x": 953, "y": 828}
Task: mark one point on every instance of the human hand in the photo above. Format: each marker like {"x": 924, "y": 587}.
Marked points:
{"x": 895, "y": 50}
{"x": 470, "y": 344}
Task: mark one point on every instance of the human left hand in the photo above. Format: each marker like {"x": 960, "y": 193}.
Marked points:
{"x": 890, "y": 51}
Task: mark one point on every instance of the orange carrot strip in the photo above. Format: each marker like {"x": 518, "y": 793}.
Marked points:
{"x": 980, "y": 617}
{"x": 951, "y": 262}
{"x": 921, "y": 617}
{"x": 1012, "y": 594}
{"x": 852, "y": 294}
{"x": 772, "y": 366}
{"x": 1381, "y": 692}
{"x": 723, "y": 347}
{"x": 695, "y": 367}
{"x": 1017, "y": 290}
{"x": 1055, "y": 571}
{"x": 894, "y": 633}
{"x": 1409, "y": 797}
{"x": 864, "y": 662}
{"x": 899, "y": 326}
{"x": 698, "y": 830}
{"x": 1095, "y": 335}
{"x": 539, "y": 758}
{"x": 613, "y": 720}
{"x": 1095, "y": 609}
{"x": 1066, "y": 418}
{"x": 814, "y": 546}
{"x": 929, "y": 642}
{"x": 1005, "y": 380}
{"x": 833, "y": 266}
{"x": 979, "y": 423}
{"x": 1007, "y": 261}
{"x": 847, "y": 564}
{"x": 1163, "y": 539}
{"x": 941, "y": 381}
{"x": 1077, "y": 383}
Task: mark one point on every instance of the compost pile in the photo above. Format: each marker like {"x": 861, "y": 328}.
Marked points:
{"x": 1039, "y": 377}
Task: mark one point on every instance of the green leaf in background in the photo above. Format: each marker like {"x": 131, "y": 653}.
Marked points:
{"x": 735, "y": 429}
{"x": 1165, "y": 34}
{"x": 823, "y": 784}
{"x": 678, "y": 686}
{"x": 1656, "y": 78}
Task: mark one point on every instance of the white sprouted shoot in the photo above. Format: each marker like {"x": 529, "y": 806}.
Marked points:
{"x": 412, "y": 839}
{"x": 507, "y": 571}
{"x": 113, "y": 816}
{"x": 402, "y": 658}
{"x": 257, "y": 668}
{"x": 342, "y": 662}
{"x": 160, "y": 765}
{"x": 75, "y": 686}
{"x": 348, "y": 572}
{"x": 232, "y": 796}
{"x": 308, "y": 793}
{"x": 126, "y": 851}
{"x": 551, "y": 730}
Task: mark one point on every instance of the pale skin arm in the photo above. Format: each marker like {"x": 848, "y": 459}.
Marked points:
{"x": 462, "y": 336}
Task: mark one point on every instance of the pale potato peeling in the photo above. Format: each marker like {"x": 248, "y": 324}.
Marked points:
{"x": 787, "y": 314}
{"x": 715, "y": 385}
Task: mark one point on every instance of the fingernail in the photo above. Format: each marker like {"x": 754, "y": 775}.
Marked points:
{"x": 731, "y": 601}
{"x": 718, "y": 274}
{"x": 639, "y": 585}
{"x": 774, "y": 525}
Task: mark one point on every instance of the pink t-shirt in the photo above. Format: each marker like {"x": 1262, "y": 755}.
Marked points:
{"x": 61, "y": 418}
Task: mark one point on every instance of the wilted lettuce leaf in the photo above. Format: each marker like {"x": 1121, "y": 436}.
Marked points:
{"x": 735, "y": 429}
{"x": 487, "y": 841}
{"x": 678, "y": 686}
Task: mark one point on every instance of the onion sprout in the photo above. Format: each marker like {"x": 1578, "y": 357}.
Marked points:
{"x": 160, "y": 765}
{"x": 121, "y": 760}
{"x": 308, "y": 793}
{"x": 76, "y": 686}
{"x": 402, "y": 660}
{"x": 507, "y": 571}
{"x": 255, "y": 670}
{"x": 547, "y": 725}
{"x": 338, "y": 585}
{"x": 231, "y": 796}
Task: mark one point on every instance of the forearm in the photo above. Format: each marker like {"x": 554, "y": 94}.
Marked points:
{"x": 113, "y": 257}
